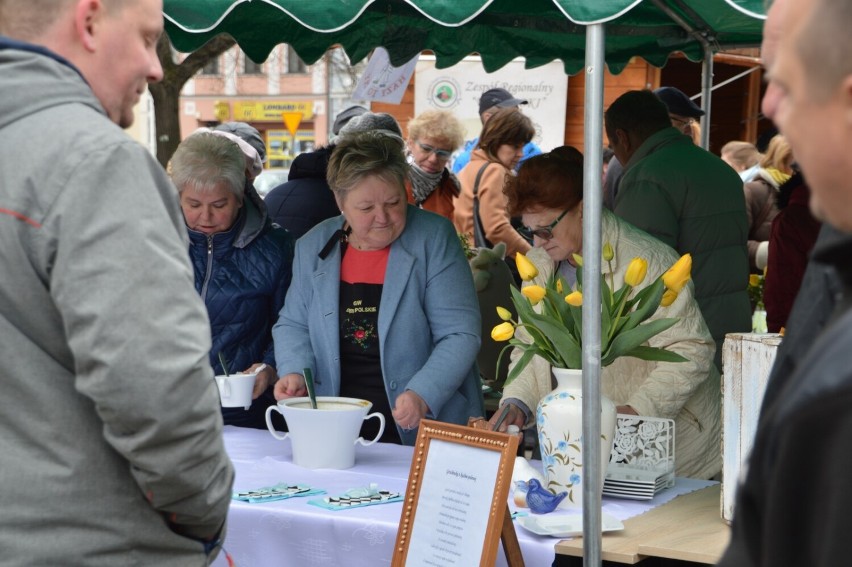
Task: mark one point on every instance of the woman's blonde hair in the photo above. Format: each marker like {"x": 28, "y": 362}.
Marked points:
{"x": 438, "y": 125}
{"x": 778, "y": 155}
{"x": 744, "y": 154}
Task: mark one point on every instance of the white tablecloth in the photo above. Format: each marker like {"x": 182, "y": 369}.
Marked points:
{"x": 292, "y": 533}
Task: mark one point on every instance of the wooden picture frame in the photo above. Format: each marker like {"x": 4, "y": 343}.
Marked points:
{"x": 455, "y": 502}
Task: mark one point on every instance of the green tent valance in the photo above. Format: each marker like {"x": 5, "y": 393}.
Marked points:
{"x": 498, "y": 30}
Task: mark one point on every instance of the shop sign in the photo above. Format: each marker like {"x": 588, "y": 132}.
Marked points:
{"x": 271, "y": 110}
{"x": 222, "y": 111}
{"x": 459, "y": 87}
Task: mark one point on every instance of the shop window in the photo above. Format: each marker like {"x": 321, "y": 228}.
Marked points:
{"x": 283, "y": 147}
{"x": 294, "y": 62}
{"x": 211, "y": 68}
{"x": 250, "y": 67}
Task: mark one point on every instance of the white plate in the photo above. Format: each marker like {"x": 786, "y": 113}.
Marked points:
{"x": 564, "y": 526}
{"x": 625, "y": 496}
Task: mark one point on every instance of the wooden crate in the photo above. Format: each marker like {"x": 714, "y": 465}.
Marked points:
{"x": 747, "y": 359}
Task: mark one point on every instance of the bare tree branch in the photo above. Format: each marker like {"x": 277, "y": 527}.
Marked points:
{"x": 167, "y": 92}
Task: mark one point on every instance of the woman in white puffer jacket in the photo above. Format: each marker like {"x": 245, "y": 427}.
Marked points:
{"x": 548, "y": 195}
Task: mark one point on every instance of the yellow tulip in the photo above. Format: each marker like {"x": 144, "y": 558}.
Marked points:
{"x": 526, "y": 269}
{"x": 534, "y": 293}
{"x": 608, "y": 253}
{"x": 574, "y": 298}
{"x": 677, "y": 276}
{"x": 668, "y": 298}
{"x": 578, "y": 260}
{"x": 503, "y": 332}
{"x": 559, "y": 287}
{"x": 636, "y": 271}
{"x": 753, "y": 280}
{"x": 504, "y": 313}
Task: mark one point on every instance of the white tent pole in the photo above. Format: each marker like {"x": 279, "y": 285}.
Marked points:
{"x": 592, "y": 200}
{"x": 706, "y": 70}
{"x": 706, "y": 95}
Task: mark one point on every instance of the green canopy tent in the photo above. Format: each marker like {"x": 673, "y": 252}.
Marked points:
{"x": 583, "y": 34}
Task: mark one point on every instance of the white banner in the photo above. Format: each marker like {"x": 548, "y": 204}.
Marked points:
{"x": 459, "y": 87}
{"x": 381, "y": 81}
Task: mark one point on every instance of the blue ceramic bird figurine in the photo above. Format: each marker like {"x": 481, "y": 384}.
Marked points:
{"x": 540, "y": 500}
{"x": 520, "y": 495}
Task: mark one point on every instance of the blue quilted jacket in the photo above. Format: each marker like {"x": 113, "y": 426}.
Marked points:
{"x": 243, "y": 275}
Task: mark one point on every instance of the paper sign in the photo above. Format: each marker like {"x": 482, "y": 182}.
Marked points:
{"x": 381, "y": 81}
{"x": 458, "y": 484}
{"x": 455, "y": 503}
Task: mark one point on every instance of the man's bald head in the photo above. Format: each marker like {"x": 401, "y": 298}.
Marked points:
{"x": 29, "y": 20}
{"x": 772, "y": 33}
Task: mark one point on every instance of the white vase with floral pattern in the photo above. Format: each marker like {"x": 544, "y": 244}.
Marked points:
{"x": 559, "y": 418}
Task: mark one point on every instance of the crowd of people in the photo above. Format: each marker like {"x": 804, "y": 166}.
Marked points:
{"x": 131, "y": 287}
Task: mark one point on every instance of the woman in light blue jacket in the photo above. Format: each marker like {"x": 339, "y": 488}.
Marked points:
{"x": 382, "y": 305}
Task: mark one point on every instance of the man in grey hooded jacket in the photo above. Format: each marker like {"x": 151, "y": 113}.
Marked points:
{"x": 111, "y": 450}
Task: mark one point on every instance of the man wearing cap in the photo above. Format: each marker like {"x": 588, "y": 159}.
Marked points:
{"x": 689, "y": 199}
{"x": 683, "y": 113}
{"x": 490, "y": 102}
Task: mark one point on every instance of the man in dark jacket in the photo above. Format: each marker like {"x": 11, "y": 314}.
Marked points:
{"x": 305, "y": 199}
{"x": 682, "y": 113}
{"x": 689, "y": 199}
{"x": 793, "y": 508}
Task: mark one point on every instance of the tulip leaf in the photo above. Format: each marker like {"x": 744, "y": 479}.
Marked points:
{"x": 606, "y": 293}
{"x": 630, "y": 339}
{"x": 577, "y": 315}
{"x": 566, "y": 346}
{"x": 560, "y": 308}
{"x": 656, "y": 354}
{"x": 619, "y": 296}
{"x": 606, "y": 324}
{"x": 647, "y": 306}
{"x": 520, "y": 365}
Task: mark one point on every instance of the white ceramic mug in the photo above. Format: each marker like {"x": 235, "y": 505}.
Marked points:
{"x": 324, "y": 438}
{"x": 235, "y": 390}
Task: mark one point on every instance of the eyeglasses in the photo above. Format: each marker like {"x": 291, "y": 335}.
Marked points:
{"x": 440, "y": 154}
{"x": 545, "y": 232}
{"x": 681, "y": 122}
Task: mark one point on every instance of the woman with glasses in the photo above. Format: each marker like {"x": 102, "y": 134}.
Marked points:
{"x": 501, "y": 146}
{"x": 548, "y": 196}
{"x": 433, "y": 136}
